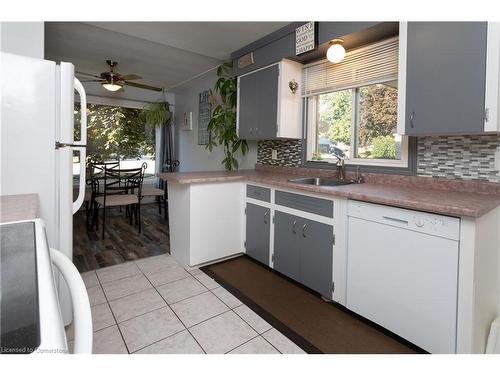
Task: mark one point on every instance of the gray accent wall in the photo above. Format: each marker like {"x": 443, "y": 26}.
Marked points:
{"x": 281, "y": 43}
{"x": 194, "y": 157}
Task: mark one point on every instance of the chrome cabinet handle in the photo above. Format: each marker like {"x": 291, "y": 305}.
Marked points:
{"x": 294, "y": 230}
{"x": 266, "y": 214}
{"x": 304, "y": 227}
{"x": 412, "y": 116}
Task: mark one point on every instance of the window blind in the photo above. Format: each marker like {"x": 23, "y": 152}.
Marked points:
{"x": 363, "y": 66}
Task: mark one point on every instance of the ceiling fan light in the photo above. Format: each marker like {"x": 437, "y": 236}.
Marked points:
{"x": 336, "y": 51}
{"x": 111, "y": 86}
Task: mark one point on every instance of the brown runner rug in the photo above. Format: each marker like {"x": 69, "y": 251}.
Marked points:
{"x": 301, "y": 315}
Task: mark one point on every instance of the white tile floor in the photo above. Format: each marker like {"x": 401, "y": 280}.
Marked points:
{"x": 155, "y": 306}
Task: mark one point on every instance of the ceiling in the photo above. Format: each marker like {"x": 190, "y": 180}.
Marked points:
{"x": 165, "y": 54}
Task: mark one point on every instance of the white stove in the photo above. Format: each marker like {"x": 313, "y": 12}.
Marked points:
{"x": 31, "y": 319}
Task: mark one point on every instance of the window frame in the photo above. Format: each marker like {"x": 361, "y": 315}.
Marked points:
{"x": 406, "y": 166}
{"x": 311, "y": 136}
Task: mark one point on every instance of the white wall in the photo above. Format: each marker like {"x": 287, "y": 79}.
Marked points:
{"x": 23, "y": 38}
{"x": 194, "y": 157}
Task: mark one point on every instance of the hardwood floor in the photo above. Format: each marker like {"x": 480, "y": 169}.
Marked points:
{"x": 122, "y": 242}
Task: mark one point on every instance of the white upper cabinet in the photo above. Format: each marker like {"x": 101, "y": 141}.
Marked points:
{"x": 267, "y": 107}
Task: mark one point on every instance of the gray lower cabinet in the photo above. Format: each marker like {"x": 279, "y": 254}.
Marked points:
{"x": 303, "y": 251}
{"x": 445, "y": 77}
{"x": 258, "y": 229}
{"x": 286, "y": 245}
{"x": 316, "y": 256}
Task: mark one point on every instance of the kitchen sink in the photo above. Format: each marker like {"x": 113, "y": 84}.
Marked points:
{"x": 321, "y": 181}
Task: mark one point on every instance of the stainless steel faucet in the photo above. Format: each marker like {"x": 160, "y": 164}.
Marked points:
{"x": 340, "y": 168}
{"x": 359, "y": 177}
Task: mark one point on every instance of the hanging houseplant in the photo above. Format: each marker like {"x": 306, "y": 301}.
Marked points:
{"x": 159, "y": 115}
{"x": 222, "y": 125}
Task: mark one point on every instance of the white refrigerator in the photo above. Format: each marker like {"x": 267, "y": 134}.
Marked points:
{"x": 37, "y": 145}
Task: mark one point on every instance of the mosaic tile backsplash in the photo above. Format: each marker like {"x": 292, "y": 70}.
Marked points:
{"x": 289, "y": 152}
{"x": 460, "y": 157}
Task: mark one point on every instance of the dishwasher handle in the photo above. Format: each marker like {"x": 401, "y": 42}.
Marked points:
{"x": 80, "y": 300}
{"x": 396, "y": 220}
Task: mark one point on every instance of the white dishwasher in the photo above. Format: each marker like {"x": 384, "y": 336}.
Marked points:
{"x": 402, "y": 272}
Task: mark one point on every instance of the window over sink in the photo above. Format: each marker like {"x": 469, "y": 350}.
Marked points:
{"x": 352, "y": 108}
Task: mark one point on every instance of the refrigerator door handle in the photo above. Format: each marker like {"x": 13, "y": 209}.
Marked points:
{"x": 60, "y": 144}
{"x": 81, "y": 144}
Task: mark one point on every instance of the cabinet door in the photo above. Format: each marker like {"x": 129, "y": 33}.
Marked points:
{"x": 316, "y": 256}
{"x": 257, "y": 232}
{"x": 445, "y": 77}
{"x": 258, "y": 104}
{"x": 286, "y": 245}
{"x": 247, "y": 106}
{"x": 267, "y": 102}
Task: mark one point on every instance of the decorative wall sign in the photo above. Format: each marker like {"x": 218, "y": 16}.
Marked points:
{"x": 187, "y": 124}
{"x": 305, "y": 38}
{"x": 204, "y": 115}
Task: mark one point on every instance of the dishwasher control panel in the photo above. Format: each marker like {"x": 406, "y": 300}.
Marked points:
{"x": 434, "y": 224}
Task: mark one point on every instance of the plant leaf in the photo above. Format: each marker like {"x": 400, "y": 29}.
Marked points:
{"x": 222, "y": 124}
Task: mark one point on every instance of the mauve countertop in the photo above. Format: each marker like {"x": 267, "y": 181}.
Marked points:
{"x": 439, "y": 201}
{"x": 18, "y": 207}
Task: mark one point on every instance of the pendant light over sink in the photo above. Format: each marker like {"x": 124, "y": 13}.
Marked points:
{"x": 336, "y": 51}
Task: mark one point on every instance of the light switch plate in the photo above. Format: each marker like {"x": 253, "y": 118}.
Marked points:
{"x": 497, "y": 159}
{"x": 274, "y": 154}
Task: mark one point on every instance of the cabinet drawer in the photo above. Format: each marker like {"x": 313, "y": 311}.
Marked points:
{"x": 260, "y": 193}
{"x": 313, "y": 205}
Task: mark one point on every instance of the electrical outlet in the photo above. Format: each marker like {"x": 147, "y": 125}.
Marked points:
{"x": 274, "y": 154}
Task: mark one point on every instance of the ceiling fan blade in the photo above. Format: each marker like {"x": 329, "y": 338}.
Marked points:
{"x": 93, "y": 80}
{"x": 141, "y": 86}
{"x": 87, "y": 74}
{"x": 129, "y": 77}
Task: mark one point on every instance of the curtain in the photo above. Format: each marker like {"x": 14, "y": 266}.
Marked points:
{"x": 164, "y": 150}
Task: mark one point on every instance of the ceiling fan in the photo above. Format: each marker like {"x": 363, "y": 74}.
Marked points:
{"x": 113, "y": 81}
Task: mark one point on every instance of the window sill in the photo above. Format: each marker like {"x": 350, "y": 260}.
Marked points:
{"x": 410, "y": 170}
{"x": 365, "y": 162}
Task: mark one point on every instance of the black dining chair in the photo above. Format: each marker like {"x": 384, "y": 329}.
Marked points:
{"x": 161, "y": 193}
{"x": 122, "y": 187}
{"x": 95, "y": 174}
{"x": 170, "y": 166}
